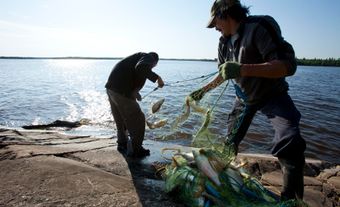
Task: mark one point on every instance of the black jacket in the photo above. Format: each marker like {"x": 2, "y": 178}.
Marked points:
{"x": 129, "y": 75}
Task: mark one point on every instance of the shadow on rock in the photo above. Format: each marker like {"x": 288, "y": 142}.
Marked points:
{"x": 150, "y": 187}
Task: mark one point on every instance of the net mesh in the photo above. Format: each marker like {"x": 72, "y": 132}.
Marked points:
{"x": 208, "y": 176}
{"x": 193, "y": 180}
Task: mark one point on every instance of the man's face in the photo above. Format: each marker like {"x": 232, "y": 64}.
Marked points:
{"x": 154, "y": 65}
{"x": 223, "y": 26}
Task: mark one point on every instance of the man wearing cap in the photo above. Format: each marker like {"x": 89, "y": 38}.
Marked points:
{"x": 253, "y": 52}
{"x": 126, "y": 79}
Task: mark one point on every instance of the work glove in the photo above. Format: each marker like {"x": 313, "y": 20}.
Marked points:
{"x": 197, "y": 95}
{"x": 230, "y": 70}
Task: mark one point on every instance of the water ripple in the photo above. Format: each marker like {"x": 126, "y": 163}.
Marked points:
{"x": 42, "y": 91}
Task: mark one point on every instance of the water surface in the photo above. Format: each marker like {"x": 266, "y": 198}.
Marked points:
{"x": 42, "y": 91}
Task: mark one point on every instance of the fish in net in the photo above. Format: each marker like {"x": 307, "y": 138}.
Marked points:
{"x": 206, "y": 177}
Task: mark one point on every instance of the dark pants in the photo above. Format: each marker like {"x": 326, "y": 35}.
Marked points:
{"x": 129, "y": 119}
{"x": 288, "y": 146}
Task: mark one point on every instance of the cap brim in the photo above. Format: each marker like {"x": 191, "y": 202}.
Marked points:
{"x": 211, "y": 23}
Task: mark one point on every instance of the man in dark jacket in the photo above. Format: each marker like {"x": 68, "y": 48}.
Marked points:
{"x": 125, "y": 81}
{"x": 253, "y": 52}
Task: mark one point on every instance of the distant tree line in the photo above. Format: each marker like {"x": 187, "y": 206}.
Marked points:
{"x": 319, "y": 62}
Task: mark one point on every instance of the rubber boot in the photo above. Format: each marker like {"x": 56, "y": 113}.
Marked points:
{"x": 293, "y": 186}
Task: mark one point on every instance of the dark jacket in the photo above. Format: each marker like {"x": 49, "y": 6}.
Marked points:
{"x": 128, "y": 76}
{"x": 258, "y": 40}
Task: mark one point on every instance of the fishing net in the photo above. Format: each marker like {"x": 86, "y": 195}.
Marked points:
{"x": 170, "y": 127}
{"x": 204, "y": 137}
{"x": 206, "y": 177}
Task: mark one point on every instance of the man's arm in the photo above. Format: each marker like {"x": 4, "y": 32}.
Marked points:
{"x": 198, "y": 94}
{"x": 160, "y": 82}
{"x": 218, "y": 80}
{"x": 272, "y": 69}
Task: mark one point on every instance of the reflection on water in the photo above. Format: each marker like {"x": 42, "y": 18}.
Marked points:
{"x": 42, "y": 91}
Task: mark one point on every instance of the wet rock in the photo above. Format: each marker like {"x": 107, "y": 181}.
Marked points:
{"x": 272, "y": 178}
{"x": 107, "y": 159}
{"x": 314, "y": 197}
{"x": 335, "y": 183}
{"x": 46, "y": 168}
{"x": 327, "y": 173}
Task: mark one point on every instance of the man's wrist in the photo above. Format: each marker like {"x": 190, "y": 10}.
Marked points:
{"x": 243, "y": 70}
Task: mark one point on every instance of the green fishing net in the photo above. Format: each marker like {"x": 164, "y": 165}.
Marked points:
{"x": 210, "y": 179}
{"x": 208, "y": 176}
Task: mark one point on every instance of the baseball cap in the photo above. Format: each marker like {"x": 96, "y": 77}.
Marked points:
{"x": 220, "y": 6}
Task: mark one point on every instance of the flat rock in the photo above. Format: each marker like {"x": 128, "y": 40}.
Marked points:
{"x": 51, "y": 181}
{"x": 335, "y": 183}
{"x": 46, "y": 168}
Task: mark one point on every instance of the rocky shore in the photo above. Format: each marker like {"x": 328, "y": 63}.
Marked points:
{"x": 47, "y": 168}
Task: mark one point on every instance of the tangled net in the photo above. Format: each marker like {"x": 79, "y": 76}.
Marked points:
{"x": 209, "y": 177}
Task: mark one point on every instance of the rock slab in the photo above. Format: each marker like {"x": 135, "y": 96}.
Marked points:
{"x": 44, "y": 168}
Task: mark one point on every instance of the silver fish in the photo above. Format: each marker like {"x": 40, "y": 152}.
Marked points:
{"x": 235, "y": 179}
{"x": 196, "y": 108}
{"x": 205, "y": 123}
{"x": 204, "y": 166}
{"x": 183, "y": 117}
{"x": 156, "y": 106}
{"x": 188, "y": 155}
{"x": 156, "y": 124}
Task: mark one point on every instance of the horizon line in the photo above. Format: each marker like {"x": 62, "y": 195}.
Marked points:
{"x": 100, "y": 58}
{"x": 118, "y": 58}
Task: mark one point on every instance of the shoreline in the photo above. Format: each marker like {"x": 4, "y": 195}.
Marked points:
{"x": 98, "y": 58}
{"x": 47, "y": 168}
{"x": 105, "y": 134}
{"x": 314, "y": 62}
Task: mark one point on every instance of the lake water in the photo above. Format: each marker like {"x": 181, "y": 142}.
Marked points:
{"x": 42, "y": 91}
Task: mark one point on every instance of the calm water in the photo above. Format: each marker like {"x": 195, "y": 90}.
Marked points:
{"x": 42, "y": 91}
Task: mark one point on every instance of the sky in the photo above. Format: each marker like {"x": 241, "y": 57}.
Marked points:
{"x": 172, "y": 28}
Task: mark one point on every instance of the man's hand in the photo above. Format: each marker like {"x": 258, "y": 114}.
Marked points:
{"x": 230, "y": 70}
{"x": 197, "y": 95}
{"x": 160, "y": 82}
{"x": 136, "y": 94}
